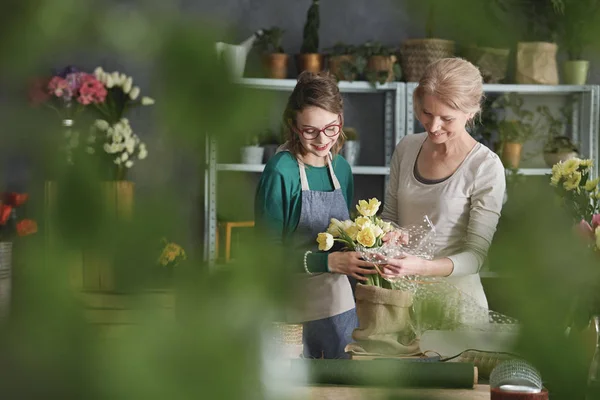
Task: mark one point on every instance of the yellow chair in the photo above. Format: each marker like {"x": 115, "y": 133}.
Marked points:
{"x": 226, "y": 227}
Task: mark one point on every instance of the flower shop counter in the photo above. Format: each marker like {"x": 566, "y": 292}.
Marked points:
{"x": 114, "y": 313}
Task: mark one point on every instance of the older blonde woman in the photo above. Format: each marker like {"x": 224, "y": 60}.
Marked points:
{"x": 447, "y": 175}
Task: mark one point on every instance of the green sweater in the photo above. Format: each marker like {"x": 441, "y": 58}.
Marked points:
{"x": 278, "y": 202}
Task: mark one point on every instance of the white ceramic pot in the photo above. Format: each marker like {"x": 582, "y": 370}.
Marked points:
{"x": 555, "y": 158}
{"x": 252, "y": 154}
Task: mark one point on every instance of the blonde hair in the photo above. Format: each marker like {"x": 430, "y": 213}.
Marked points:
{"x": 318, "y": 90}
{"x": 455, "y": 82}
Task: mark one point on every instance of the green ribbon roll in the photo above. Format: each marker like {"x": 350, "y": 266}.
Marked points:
{"x": 387, "y": 373}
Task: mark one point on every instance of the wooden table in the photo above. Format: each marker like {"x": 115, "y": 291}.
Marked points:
{"x": 480, "y": 392}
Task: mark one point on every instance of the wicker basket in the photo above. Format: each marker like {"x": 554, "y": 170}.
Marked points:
{"x": 287, "y": 333}
{"x": 493, "y": 63}
{"x": 416, "y": 54}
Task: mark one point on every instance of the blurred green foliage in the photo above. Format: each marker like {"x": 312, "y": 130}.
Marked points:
{"x": 213, "y": 349}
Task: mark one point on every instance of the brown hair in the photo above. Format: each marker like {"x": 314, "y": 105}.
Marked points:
{"x": 318, "y": 90}
{"x": 455, "y": 82}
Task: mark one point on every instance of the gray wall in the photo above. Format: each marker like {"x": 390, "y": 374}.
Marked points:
{"x": 351, "y": 21}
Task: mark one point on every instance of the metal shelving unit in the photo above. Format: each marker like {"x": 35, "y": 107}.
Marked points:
{"x": 399, "y": 121}
{"x": 394, "y": 123}
{"x": 585, "y": 116}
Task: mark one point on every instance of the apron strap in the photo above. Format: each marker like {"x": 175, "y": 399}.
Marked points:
{"x": 304, "y": 179}
{"x": 336, "y": 183}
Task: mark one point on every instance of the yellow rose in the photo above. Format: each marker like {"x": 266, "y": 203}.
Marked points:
{"x": 572, "y": 181}
{"x": 325, "y": 241}
{"x": 363, "y": 222}
{"x": 597, "y": 232}
{"x": 366, "y": 236}
{"x": 352, "y": 231}
{"x": 555, "y": 180}
{"x": 335, "y": 227}
{"x": 368, "y": 209}
{"x": 587, "y": 163}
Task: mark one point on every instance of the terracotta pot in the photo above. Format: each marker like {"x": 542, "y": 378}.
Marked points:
{"x": 335, "y": 67}
{"x": 511, "y": 154}
{"x": 276, "y": 65}
{"x": 382, "y": 64}
{"x": 555, "y": 158}
{"x": 312, "y": 62}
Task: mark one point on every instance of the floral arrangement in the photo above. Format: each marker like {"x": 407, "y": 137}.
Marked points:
{"x": 118, "y": 142}
{"x": 9, "y": 223}
{"x": 106, "y": 97}
{"x": 365, "y": 232}
{"x": 171, "y": 255}
{"x": 578, "y": 193}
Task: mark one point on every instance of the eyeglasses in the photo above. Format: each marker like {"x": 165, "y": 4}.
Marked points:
{"x": 313, "y": 133}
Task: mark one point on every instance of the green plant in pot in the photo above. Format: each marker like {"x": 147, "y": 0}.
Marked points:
{"x": 577, "y": 23}
{"x": 309, "y": 58}
{"x": 351, "y": 149}
{"x": 558, "y": 147}
{"x": 537, "y": 25}
{"x": 514, "y": 130}
{"x": 417, "y": 53}
{"x": 273, "y": 56}
{"x": 382, "y": 63}
{"x": 270, "y": 140}
{"x": 345, "y": 61}
{"x": 252, "y": 152}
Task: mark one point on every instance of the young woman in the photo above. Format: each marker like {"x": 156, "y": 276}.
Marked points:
{"x": 300, "y": 190}
{"x": 447, "y": 175}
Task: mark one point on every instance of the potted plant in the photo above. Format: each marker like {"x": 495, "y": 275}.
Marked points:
{"x": 345, "y": 62}
{"x": 381, "y": 63}
{"x": 536, "y": 21}
{"x": 252, "y": 152}
{"x": 351, "y": 148}
{"x": 558, "y": 147}
{"x": 309, "y": 58}
{"x": 514, "y": 130}
{"x": 10, "y": 227}
{"x": 273, "y": 56}
{"x": 270, "y": 140}
{"x": 576, "y": 24}
{"x": 416, "y": 54}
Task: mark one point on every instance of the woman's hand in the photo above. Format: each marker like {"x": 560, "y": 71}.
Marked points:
{"x": 398, "y": 236}
{"x": 405, "y": 265}
{"x": 349, "y": 263}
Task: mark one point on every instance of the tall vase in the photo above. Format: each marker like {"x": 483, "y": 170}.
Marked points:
{"x": 90, "y": 267}
{"x": 5, "y": 279}
{"x": 593, "y": 389}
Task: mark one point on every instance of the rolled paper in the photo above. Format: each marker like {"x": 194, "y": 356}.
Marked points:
{"x": 387, "y": 373}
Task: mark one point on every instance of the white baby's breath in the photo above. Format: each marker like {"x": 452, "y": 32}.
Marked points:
{"x": 129, "y": 163}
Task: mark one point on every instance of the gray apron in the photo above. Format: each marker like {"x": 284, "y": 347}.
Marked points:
{"x": 326, "y": 294}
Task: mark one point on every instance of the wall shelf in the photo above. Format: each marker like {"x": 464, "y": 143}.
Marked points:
{"x": 398, "y": 121}
{"x": 356, "y": 169}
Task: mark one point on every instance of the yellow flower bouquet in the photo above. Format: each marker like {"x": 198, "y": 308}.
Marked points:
{"x": 362, "y": 234}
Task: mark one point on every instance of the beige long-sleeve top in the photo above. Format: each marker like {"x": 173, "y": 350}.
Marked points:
{"x": 464, "y": 208}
